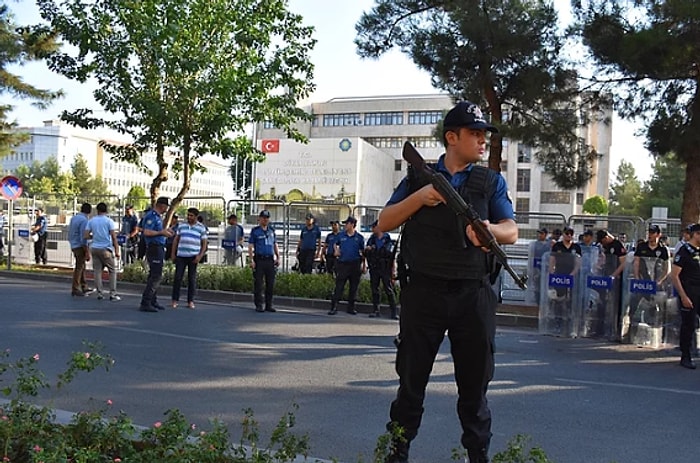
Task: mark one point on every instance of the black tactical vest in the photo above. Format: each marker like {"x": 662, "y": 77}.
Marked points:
{"x": 434, "y": 241}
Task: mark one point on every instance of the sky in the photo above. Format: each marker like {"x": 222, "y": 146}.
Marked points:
{"x": 339, "y": 72}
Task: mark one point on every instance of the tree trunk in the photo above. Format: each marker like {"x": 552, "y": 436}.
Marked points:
{"x": 691, "y": 194}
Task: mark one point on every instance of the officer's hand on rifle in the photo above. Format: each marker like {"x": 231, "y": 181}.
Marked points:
{"x": 430, "y": 196}
{"x": 471, "y": 234}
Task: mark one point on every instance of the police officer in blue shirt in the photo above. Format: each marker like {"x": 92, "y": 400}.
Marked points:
{"x": 40, "y": 229}
{"x": 154, "y": 235}
{"x": 309, "y": 245}
{"x": 329, "y": 247}
{"x": 446, "y": 287}
{"x": 264, "y": 258}
{"x": 349, "y": 266}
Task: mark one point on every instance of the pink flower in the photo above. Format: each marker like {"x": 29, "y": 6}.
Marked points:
{"x": 5, "y": 458}
{"x": 117, "y": 460}
{"x": 4, "y": 418}
{"x": 109, "y": 402}
{"x": 86, "y": 355}
{"x": 37, "y": 448}
{"x": 157, "y": 424}
{"x": 193, "y": 426}
{"x": 36, "y": 357}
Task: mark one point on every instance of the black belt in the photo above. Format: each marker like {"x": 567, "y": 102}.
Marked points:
{"x": 263, "y": 257}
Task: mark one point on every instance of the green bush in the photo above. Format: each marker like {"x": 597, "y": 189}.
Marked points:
{"x": 240, "y": 280}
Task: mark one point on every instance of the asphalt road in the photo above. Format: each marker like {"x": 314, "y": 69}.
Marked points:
{"x": 580, "y": 400}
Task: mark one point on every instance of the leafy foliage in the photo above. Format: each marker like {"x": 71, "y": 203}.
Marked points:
{"x": 665, "y": 187}
{"x": 595, "y": 205}
{"x": 182, "y": 75}
{"x": 504, "y": 55}
{"x": 647, "y": 52}
{"x": 46, "y": 180}
{"x": 626, "y": 191}
{"x": 19, "y": 45}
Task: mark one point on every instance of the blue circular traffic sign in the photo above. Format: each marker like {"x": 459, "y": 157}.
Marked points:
{"x": 10, "y": 188}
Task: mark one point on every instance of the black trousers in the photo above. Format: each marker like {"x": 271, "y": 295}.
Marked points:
{"x": 155, "y": 254}
{"x": 383, "y": 276}
{"x": 182, "y": 263}
{"x": 306, "y": 260}
{"x": 40, "y": 249}
{"x": 264, "y": 269}
{"x": 466, "y": 309}
{"x": 689, "y": 322}
{"x": 331, "y": 260}
{"x": 345, "y": 271}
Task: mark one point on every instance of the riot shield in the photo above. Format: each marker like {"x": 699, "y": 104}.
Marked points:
{"x": 644, "y": 301}
{"x": 600, "y": 297}
{"x": 560, "y": 300}
{"x": 535, "y": 252}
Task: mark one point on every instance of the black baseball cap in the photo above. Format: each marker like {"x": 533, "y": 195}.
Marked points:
{"x": 588, "y": 232}
{"x": 350, "y": 219}
{"x": 334, "y": 221}
{"x": 163, "y": 200}
{"x": 466, "y": 114}
{"x": 309, "y": 216}
{"x": 694, "y": 228}
{"x": 654, "y": 229}
{"x": 568, "y": 229}
{"x": 600, "y": 234}
{"x": 543, "y": 230}
{"x": 264, "y": 213}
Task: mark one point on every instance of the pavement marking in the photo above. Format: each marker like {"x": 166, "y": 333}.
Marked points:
{"x": 189, "y": 338}
{"x": 629, "y": 386}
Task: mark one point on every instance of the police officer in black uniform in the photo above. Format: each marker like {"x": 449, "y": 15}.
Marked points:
{"x": 685, "y": 275}
{"x": 653, "y": 251}
{"x": 445, "y": 283}
{"x": 379, "y": 253}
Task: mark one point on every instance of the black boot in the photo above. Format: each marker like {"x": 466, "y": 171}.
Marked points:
{"x": 375, "y": 314}
{"x": 398, "y": 452}
{"x": 333, "y": 310}
{"x": 477, "y": 456}
{"x": 394, "y": 313}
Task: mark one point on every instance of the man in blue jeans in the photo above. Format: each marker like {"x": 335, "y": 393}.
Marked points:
{"x": 154, "y": 235}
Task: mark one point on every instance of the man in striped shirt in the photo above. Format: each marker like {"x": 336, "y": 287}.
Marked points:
{"x": 189, "y": 247}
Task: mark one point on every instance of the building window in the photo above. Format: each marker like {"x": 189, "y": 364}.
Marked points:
{"x": 398, "y": 165}
{"x": 523, "y": 180}
{"x": 522, "y": 204}
{"x": 385, "y": 142}
{"x": 315, "y": 122}
{"x": 341, "y": 120}
{"x": 579, "y": 199}
{"x": 268, "y": 125}
{"x": 425, "y": 142}
{"x": 394, "y": 118}
{"x": 555, "y": 197}
{"x": 524, "y": 153}
{"x": 424, "y": 117}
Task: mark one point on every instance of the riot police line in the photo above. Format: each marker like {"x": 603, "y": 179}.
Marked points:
{"x": 587, "y": 300}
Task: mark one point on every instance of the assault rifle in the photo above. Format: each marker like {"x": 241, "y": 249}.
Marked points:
{"x": 460, "y": 207}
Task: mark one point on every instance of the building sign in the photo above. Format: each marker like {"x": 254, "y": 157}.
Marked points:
{"x": 316, "y": 171}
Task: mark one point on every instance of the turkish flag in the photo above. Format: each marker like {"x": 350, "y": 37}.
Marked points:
{"x": 270, "y": 146}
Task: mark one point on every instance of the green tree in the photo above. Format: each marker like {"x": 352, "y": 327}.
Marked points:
{"x": 626, "y": 191}
{"x": 185, "y": 74}
{"x": 81, "y": 176}
{"x": 648, "y": 51}
{"x": 664, "y": 188}
{"x": 504, "y": 55}
{"x": 19, "y": 45}
{"x": 135, "y": 196}
{"x": 595, "y": 205}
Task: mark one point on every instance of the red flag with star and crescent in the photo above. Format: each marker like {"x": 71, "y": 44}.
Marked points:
{"x": 270, "y": 146}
